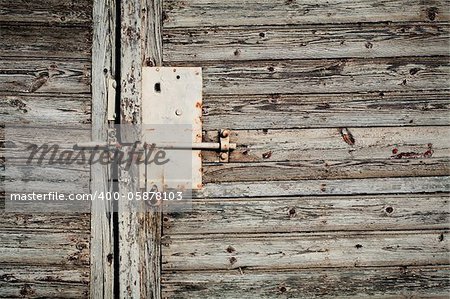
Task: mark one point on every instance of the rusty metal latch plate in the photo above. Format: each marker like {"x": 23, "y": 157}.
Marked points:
{"x": 171, "y": 118}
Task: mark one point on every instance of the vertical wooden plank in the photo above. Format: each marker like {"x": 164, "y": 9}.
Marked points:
{"x": 139, "y": 232}
{"x": 152, "y": 56}
{"x": 103, "y": 68}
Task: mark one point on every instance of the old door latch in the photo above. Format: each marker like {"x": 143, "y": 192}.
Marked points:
{"x": 172, "y": 102}
{"x": 172, "y": 120}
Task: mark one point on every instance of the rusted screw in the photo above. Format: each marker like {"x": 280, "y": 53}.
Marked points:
{"x": 223, "y": 156}
{"x": 225, "y": 133}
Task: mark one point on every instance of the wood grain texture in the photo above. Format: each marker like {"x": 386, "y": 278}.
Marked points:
{"x": 44, "y": 248}
{"x": 102, "y": 274}
{"x": 326, "y": 187}
{"x": 47, "y": 290}
{"x": 152, "y": 55}
{"x": 324, "y": 76}
{"x": 44, "y": 254}
{"x": 311, "y": 214}
{"x": 44, "y": 281}
{"x": 139, "y": 227}
{"x": 299, "y": 251}
{"x": 48, "y": 42}
{"x": 217, "y": 13}
{"x": 42, "y": 222}
{"x": 45, "y": 76}
{"x": 329, "y": 169}
{"x": 46, "y": 109}
{"x": 323, "y": 153}
{"x": 22, "y": 178}
{"x": 284, "y": 111}
{"x": 392, "y": 282}
{"x": 312, "y": 42}
{"x": 17, "y": 139}
{"x": 55, "y": 12}
{"x": 328, "y": 144}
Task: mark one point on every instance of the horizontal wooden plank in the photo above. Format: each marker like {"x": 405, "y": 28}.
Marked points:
{"x": 392, "y": 282}
{"x": 296, "y": 251}
{"x": 330, "y": 169}
{"x": 46, "y": 178}
{"x": 332, "y": 110}
{"x": 49, "y": 11}
{"x": 47, "y": 290}
{"x": 324, "y": 76}
{"x": 311, "y": 214}
{"x": 306, "y": 43}
{"x": 322, "y": 145}
{"x": 48, "y": 42}
{"x": 18, "y": 137}
{"x": 45, "y": 110}
{"x": 44, "y": 274}
{"x": 43, "y": 248}
{"x": 45, "y": 222}
{"x": 45, "y": 76}
{"x": 200, "y": 13}
{"x": 326, "y": 187}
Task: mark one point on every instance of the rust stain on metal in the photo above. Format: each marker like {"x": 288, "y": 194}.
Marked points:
{"x": 347, "y": 136}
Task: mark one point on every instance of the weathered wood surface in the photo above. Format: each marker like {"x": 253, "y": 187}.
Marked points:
{"x": 139, "y": 229}
{"x": 306, "y": 42}
{"x": 325, "y": 110}
{"x": 297, "y": 251}
{"x": 44, "y": 290}
{"x": 29, "y": 247}
{"x": 329, "y": 144}
{"x": 17, "y": 139}
{"x": 38, "y": 41}
{"x": 267, "y": 77}
{"x": 55, "y": 12}
{"x": 329, "y": 169}
{"x": 46, "y": 109}
{"x": 217, "y": 13}
{"x": 41, "y": 281}
{"x": 392, "y": 282}
{"x": 103, "y": 256}
{"x": 310, "y": 214}
{"x": 400, "y": 185}
{"x": 45, "y": 75}
{"x": 41, "y": 222}
{"x": 324, "y": 76}
{"x": 44, "y": 80}
{"x": 20, "y": 178}
{"x": 44, "y": 281}
{"x": 324, "y": 154}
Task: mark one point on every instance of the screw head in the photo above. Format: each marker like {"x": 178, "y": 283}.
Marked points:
{"x": 178, "y": 112}
{"x": 225, "y": 133}
{"x": 223, "y": 156}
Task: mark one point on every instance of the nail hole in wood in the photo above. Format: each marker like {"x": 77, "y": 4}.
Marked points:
{"x": 389, "y": 210}
{"x": 230, "y": 249}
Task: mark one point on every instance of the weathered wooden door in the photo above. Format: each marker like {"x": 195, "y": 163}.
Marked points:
{"x": 339, "y": 183}
{"x": 338, "y": 186}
